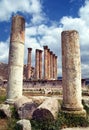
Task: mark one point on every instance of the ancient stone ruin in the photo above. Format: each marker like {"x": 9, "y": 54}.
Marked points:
{"x": 38, "y": 64}
{"x": 50, "y": 64}
{"x": 48, "y": 107}
{"x": 71, "y": 72}
{"x": 43, "y": 108}
{"x": 16, "y": 58}
{"x": 29, "y": 64}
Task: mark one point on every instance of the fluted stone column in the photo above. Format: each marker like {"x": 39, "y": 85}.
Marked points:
{"x": 29, "y": 63}
{"x": 51, "y": 65}
{"x": 16, "y": 58}
{"x": 37, "y": 65}
{"x": 40, "y": 64}
{"x": 55, "y": 67}
{"x": 45, "y": 62}
{"x": 71, "y": 72}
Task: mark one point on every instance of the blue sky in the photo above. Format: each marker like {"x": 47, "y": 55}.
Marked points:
{"x": 45, "y": 20}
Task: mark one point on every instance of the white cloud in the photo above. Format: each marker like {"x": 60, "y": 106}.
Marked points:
{"x": 39, "y": 33}
{"x": 84, "y": 12}
{"x": 32, "y": 7}
{"x": 4, "y": 50}
{"x": 80, "y": 24}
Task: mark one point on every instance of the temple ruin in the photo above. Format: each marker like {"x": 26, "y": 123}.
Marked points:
{"x": 71, "y": 67}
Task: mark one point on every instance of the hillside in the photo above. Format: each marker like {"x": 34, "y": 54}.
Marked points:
{"x": 4, "y": 71}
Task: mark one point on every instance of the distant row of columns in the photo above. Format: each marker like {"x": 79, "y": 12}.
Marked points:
{"x": 50, "y": 64}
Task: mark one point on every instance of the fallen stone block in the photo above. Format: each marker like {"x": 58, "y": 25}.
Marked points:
{"x": 23, "y": 124}
{"x": 25, "y": 107}
{"x": 19, "y": 102}
{"x": 26, "y": 110}
{"x": 48, "y": 110}
{"x": 5, "y": 111}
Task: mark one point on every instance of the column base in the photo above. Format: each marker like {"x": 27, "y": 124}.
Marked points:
{"x": 10, "y": 101}
{"x": 67, "y": 107}
{"x": 81, "y": 113}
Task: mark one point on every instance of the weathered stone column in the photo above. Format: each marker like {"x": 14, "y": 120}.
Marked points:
{"x": 83, "y": 81}
{"x": 29, "y": 64}
{"x": 37, "y": 65}
{"x": 48, "y": 64}
{"x": 71, "y": 72}
{"x": 40, "y": 64}
{"x": 51, "y": 65}
{"x": 16, "y": 58}
{"x": 45, "y": 62}
{"x": 55, "y": 67}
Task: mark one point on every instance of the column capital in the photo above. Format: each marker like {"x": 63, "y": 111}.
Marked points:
{"x": 29, "y": 49}
{"x": 48, "y": 50}
{"x": 40, "y": 51}
{"x": 51, "y": 52}
{"x": 55, "y": 56}
{"x": 45, "y": 47}
{"x": 37, "y": 50}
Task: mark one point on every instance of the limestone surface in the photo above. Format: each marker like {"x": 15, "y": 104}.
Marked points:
{"x": 71, "y": 71}
{"x": 48, "y": 110}
{"x": 5, "y": 110}
{"x": 24, "y": 124}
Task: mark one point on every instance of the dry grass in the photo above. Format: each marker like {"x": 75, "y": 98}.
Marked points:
{"x": 3, "y": 122}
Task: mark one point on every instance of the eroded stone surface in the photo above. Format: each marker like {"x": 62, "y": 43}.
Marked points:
{"x": 71, "y": 71}
{"x": 5, "y": 110}
{"x": 45, "y": 62}
{"x": 16, "y": 57}
{"x": 48, "y": 110}
{"x": 29, "y": 64}
{"x": 26, "y": 110}
{"x": 21, "y": 101}
{"x": 24, "y": 124}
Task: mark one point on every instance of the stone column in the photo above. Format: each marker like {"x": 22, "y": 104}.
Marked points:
{"x": 71, "y": 72}
{"x": 37, "y": 65}
{"x": 45, "y": 62}
{"x": 51, "y": 65}
{"x": 83, "y": 81}
{"x": 29, "y": 64}
{"x": 40, "y": 64}
{"x": 56, "y": 67}
{"x": 48, "y": 64}
{"x": 16, "y": 59}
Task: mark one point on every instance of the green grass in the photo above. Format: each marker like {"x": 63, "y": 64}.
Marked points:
{"x": 64, "y": 120}
{"x": 2, "y": 96}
